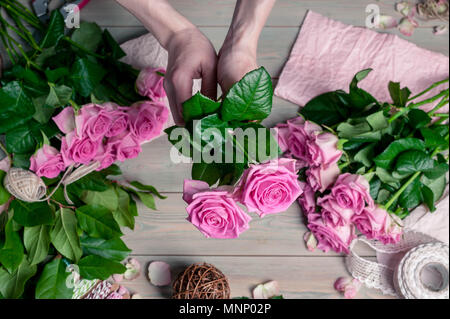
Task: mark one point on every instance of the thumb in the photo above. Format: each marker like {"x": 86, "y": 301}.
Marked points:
{"x": 209, "y": 82}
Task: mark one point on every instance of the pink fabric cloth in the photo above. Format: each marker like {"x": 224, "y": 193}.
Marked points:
{"x": 328, "y": 53}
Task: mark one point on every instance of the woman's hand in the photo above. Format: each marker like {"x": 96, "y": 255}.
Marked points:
{"x": 191, "y": 56}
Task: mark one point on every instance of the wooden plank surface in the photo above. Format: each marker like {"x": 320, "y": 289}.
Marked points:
{"x": 298, "y": 277}
{"x": 273, "y": 249}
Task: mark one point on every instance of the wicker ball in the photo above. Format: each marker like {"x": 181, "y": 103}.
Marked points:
{"x": 24, "y": 185}
{"x": 201, "y": 281}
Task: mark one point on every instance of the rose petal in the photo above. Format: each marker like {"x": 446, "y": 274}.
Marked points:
{"x": 310, "y": 241}
{"x": 405, "y": 8}
{"x": 191, "y": 187}
{"x": 267, "y": 290}
{"x": 407, "y": 26}
{"x": 133, "y": 269}
{"x": 159, "y": 273}
{"x": 386, "y": 22}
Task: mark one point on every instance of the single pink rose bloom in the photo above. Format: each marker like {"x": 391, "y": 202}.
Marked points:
{"x": 301, "y": 133}
{"x": 392, "y": 230}
{"x": 216, "y": 214}
{"x": 85, "y": 114}
{"x": 320, "y": 177}
{"x": 126, "y": 146}
{"x": 371, "y": 221}
{"x": 307, "y": 199}
{"x": 106, "y": 155}
{"x": 151, "y": 84}
{"x": 120, "y": 122}
{"x": 333, "y": 213}
{"x": 47, "y": 162}
{"x": 322, "y": 150}
{"x": 147, "y": 120}
{"x": 65, "y": 120}
{"x": 192, "y": 187}
{"x": 78, "y": 150}
{"x": 331, "y": 237}
{"x": 98, "y": 126}
{"x": 269, "y": 188}
{"x": 352, "y": 191}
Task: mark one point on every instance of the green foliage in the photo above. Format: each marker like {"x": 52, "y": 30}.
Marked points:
{"x": 96, "y": 267}
{"x": 52, "y": 282}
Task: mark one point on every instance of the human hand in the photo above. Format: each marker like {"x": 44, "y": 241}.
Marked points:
{"x": 235, "y": 61}
{"x": 191, "y": 56}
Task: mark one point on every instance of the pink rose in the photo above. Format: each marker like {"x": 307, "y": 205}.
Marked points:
{"x": 392, "y": 230}
{"x": 214, "y": 212}
{"x": 85, "y": 114}
{"x": 337, "y": 238}
{"x": 322, "y": 149}
{"x": 348, "y": 286}
{"x": 371, "y": 221}
{"x": 98, "y": 126}
{"x": 78, "y": 150}
{"x": 147, "y": 120}
{"x": 119, "y": 124}
{"x": 269, "y": 188}
{"x": 332, "y": 213}
{"x": 151, "y": 84}
{"x": 352, "y": 191}
{"x": 126, "y": 146}
{"x": 320, "y": 178}
{"x": 301, "y": 133}
{"x": 47, "y": 162}
{"x": 65, "y": 120}
{"x": 307, "y": 200}
{"x": 106, "y": 155}
{"x": 282, "y": 131}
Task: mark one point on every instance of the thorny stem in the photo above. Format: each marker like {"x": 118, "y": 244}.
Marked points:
{"x": 429, "y": 89}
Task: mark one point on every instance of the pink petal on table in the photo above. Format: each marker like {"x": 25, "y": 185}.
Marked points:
{"x": 386, "y": 22}
{"x": 407, "y": 26}
{"x": 440, "y": 29}
{"x": 159, "y": 273}
{"x": 133, "y": 269}
{"x": 267, "y": 290}
{"x": 310, "y": 241}
{"x": 117, "y": 277}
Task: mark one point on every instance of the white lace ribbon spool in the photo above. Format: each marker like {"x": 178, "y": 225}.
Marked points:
{"x": 421, "y": 252}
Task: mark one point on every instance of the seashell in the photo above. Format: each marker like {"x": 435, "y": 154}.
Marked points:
{"x": 24, "y": 185}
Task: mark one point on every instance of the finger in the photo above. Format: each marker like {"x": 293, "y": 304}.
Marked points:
{"x": 175, "y": 110}
{"x": 182, "y": 84}
{"x": 209, "y": 82}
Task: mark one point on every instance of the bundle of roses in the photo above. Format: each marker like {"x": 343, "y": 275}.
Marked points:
{"x": 78, "y": 217}
{"x": 364, "y": 164}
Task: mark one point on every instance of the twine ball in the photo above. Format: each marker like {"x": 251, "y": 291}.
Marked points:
{"x": 201, "y": 281}
{"x": 24, "y": 185}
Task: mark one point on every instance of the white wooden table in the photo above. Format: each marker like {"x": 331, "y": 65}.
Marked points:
{"x": 273, "y": 248}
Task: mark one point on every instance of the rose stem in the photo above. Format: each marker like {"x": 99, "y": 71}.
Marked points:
{"x": 428, "y": 89}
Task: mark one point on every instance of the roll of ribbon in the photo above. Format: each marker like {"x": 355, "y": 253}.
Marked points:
{"x": 422, "y": 273}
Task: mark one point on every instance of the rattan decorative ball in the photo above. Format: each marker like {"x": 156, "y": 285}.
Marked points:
{"x": 201, "y": 281}
{"x": 24, "y": 185}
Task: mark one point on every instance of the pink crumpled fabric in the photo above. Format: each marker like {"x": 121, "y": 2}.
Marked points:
{"x": 328, "y": 53}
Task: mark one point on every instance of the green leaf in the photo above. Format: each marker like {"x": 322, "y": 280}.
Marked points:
{"x": 357, "y": 131}
{"x": 112, "y": 170}
{"x": 55, "y": 30}
{"x": 98, "y": 221}
{"x": 11, "y": 254}
{"x": 112, "y": 48}
{"x": 377, "y": 121}
{"x": 94, "y": 181}
{"x": 123, "y": 214}
{"x": 88, "y": 35}
{"x": 361, "y": 75}
{"x": 437, "y": 186}
{"x": 413, "y": 161}
{"x": 198, "y": 106}
{"x": 107, "y": 198}
{"x": 54, "y": 75}
{"x": 32, "y": 214}
{"x": 387, "y": 157}
{"x": 20, "y": 140}
{"x": 375, "y": 185}
{"x": 435, "y": 137}
{"x": 208, "y": 173}
{"x": 261, "y": 147}
{"x": 147, "y": 199}
{"x": 418, "y": 118}
{"x": 4, "y": 195}
{"x": 96, "y": 267}
{"x": 85, "y": 76}
{"x": 114, "y": 249}
{"x": 52, "y": 282}
{"x": 428, "y": 197}
{"x": 17, "y": 107}
{"x": 365, "y": 155}
{"x": 436, "y": 171}
{"x": 43, "y": 111}
{"x": 412, "y": 196}
{"x": 12, "y": 285}
{"x": 37, "y": 243}
{"x": 250, "y": 98}
{"x": 64, "y": 235}
{"x": 210, "y": 130}
{"x": 59, "y": 95}
{"x": 328, "y": 109}
{"x": 149, "y": 188}
{"x": 399, "y": 96}
{"x": 387, "y": 177}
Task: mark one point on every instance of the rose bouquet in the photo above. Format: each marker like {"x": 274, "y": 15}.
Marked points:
{"x": 231, "y": 148}
{"x": 69, "y": 109}
{"x": 364, "y": 164}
